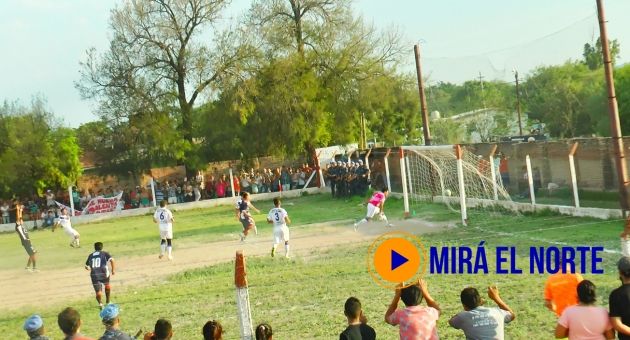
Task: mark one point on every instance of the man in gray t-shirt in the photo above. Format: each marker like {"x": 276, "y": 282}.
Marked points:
{"x": 482, "y": 323}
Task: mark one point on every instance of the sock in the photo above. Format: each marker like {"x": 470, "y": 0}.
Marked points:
{"x": 384, "y": 218}
{"x": 162, "y": 248}
{"x": 364, "y": 220}
{"x": 76, "y": 241}
{"x": 286, "y": 249}
{"x": 170, "y": 250}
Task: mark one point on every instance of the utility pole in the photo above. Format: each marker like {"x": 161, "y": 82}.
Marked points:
{"x": 363, "y": 131}
{"x": 423, "y": 99}
{"x": 613, "y": 110}
{"x": 518, "y": 104}
{"x": 483, "y": 98}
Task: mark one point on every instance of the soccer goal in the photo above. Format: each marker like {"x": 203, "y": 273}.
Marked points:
{"x": 451, "y": 175}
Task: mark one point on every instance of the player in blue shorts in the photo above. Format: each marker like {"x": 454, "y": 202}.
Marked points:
{"x": 97, "y": 264}
{"x": 242, "y": 213}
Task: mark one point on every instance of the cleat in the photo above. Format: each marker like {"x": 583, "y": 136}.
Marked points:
{"x": 242, "y": 238}
{"x": 389, "y": 225}
{"x": 273, "y": 252}
{"x": 287, "y": 256}
{"x": 161, "y": 256}
{"x": 356, "y": 227}
{"x": 100, "y": 306}
{"x": 255, "y": 230}
{"x": 170, "y": 257}
{"x": 34, "y": 270}
{"x": 28, "y": 269}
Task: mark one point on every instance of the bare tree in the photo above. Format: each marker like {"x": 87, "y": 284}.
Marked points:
{"x": 163, "y": 54}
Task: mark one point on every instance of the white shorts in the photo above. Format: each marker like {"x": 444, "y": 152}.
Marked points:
{"x": 172, "y": 200}
{"x": 71, "y": 232}
{"x": 280, "y": 234}
{"x": 372, "y": 210}
{"x": 166, "y": 232}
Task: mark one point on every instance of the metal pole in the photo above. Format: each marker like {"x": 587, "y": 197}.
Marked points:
{"x": 423, "y": 99}
{"x": 232, "y": 183}
{"x": 530, "y": 179}
{"x": 386, "y": 161}
{"x": 462, "y": 184}
{"x": 613, "y": 110}
{"x": 493, "y": 173}
{"x": 71, "y": 200}
{"x": 403, "y": 177}
{"x": 153, "y": 192}
{"x": 518, "y": 105}
{"x": 576, "y": 197}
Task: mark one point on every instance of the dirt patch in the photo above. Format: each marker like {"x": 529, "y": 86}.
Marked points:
{"x": 49, "y": 287}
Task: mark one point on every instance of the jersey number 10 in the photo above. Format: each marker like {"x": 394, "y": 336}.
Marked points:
{"x": 96, "y": 262}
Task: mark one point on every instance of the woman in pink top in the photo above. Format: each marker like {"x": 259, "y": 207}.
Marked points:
{"x": 375, "y": 206}
{"x": 585, "y": 321}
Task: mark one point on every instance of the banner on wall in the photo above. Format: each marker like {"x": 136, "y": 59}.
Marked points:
{"x": 97, "y": 205}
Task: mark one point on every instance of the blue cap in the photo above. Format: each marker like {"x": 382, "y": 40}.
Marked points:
{"x": 110, "y": 312}
{"x": 33, "y": 323}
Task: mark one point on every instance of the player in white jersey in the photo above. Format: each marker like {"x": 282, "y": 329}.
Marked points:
{"x": 64, "y": 222}
{"x": 164, "y": 218}
{"x": 280, "y": 218}
{"x": 375, "y": 206}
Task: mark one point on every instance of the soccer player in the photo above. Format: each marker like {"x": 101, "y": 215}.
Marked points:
{"x": 375, "y": 206}
{"x": 64, "y": 221}
{"x": 97, "y": 264}
{"x": 164, "y": 218}
{"x": 242, "y": 214}
{"x": 279, "y": 217}
{"x": 23, "y": 234}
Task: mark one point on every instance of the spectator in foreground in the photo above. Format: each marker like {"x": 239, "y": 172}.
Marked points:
{"x": 479, "y": 322}
{"x": 561, "y": 291}
{"x": 357, "y": 323}
{"x": 415, "y": 321}
{"x": 34, "y": 327}
{"x": 212, "y": 330}
{"x": 163, "y": 331}
{"x": 585, "y": 320}
{"x": 619, "y": 301}
{"x": 69, "y": 321}
{"x": 109, "y": 316}
{"x": 264, "y": 332}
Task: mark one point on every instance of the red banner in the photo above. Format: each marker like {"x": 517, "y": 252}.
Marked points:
{"x": 97, "y": 205}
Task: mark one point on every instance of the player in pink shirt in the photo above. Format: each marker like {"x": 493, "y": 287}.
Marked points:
{"x": 375, "y": 206}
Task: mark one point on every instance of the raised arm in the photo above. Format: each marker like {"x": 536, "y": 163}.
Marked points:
{"x": 427, "y": 297}
{"x": 393, "y": 305}
{"x": 493, "y": 294}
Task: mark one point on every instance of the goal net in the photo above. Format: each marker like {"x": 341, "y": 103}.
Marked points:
{"x": 450, "y": 175}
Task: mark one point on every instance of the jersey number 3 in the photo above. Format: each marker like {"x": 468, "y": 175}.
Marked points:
{"x": 277, "y": 217}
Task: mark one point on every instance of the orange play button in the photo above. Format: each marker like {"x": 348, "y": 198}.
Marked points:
{"x": 396, "y": 257}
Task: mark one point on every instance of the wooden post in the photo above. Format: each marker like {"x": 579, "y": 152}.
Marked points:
{"x": 71, "y": 201}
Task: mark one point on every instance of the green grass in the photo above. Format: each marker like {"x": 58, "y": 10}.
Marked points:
{"x": 303, "y": 298}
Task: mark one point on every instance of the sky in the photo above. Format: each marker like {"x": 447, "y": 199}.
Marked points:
{"x": 43, "y": 41}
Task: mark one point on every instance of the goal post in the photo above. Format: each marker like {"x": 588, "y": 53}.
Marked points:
{"x": 242, "y": 298}
{"x": 452, "y": 175}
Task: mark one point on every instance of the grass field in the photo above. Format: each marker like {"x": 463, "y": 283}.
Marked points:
{"x": 303, "y": 298}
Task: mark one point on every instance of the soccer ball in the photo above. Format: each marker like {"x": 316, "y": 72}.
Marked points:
{"x": 447, "y": 192}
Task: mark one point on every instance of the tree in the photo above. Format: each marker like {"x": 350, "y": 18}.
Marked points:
{"x": 446, "y": 131}
{"x": 593, "y": 57}
{"x": 160, "y": 61}
{"x": 559, "y": 95}
{"x": 36, "y": 154}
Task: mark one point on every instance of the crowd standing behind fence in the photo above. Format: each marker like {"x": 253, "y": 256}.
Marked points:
{"x": 211, "y": 185}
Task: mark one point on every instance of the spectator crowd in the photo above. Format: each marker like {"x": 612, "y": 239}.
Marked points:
{"x": 214, "y": 184}
{"x": 571, "y": 298}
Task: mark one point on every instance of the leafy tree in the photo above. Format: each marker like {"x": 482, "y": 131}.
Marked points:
{"x": 593, "y": 57}
{"x": 446, "y": 131}
{"x": 559, "y": 96}
{"x": 36, "y": 154}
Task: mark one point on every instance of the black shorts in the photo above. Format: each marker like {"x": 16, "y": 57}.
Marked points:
{"x": 246, "y": 222}
{"x": 29, "y": 248}
{"x": 98, "y": 282}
